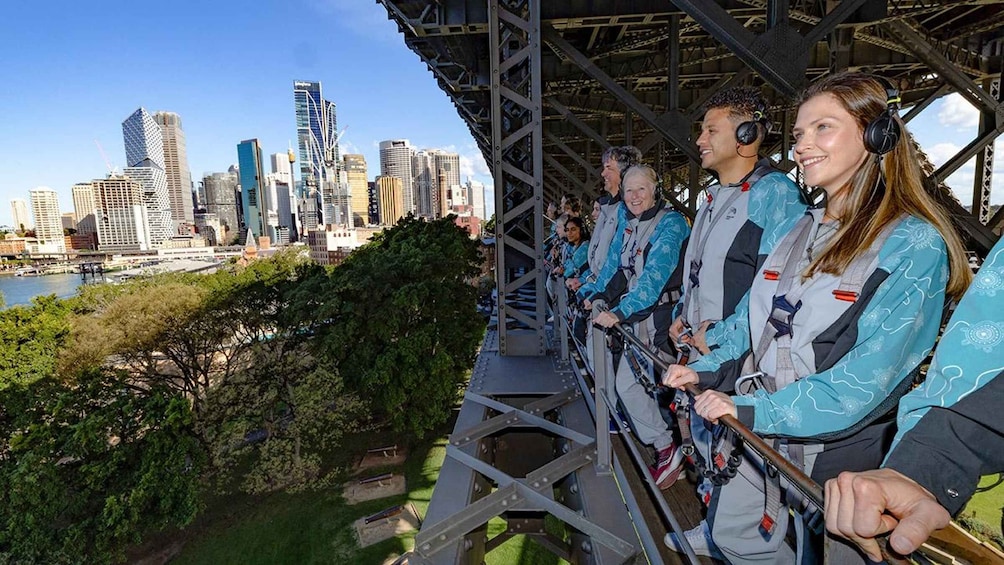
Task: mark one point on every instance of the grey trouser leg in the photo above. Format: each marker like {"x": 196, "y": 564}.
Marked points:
{"x": 735, "y": 515}
{"x": 647, "y": 421}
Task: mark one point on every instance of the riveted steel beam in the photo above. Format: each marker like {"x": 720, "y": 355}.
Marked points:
{"x": 945, "y": 68}
{"x": 676, "y": 136}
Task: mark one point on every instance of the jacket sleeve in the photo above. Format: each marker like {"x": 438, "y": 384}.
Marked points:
{"x": 660, "y": 261}
{"x": 589, "y": 290}
{"x": 775, "y": 205}
{"x": 951, "y": 430}
{"x": 895, "y": 332}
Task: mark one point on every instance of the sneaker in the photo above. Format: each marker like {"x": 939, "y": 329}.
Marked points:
{"x": 614, "y": 430}
{"x": 667, "y": 469}
{"x": 700, "y": 541}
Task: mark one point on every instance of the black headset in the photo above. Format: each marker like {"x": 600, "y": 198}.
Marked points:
{"x": 883, "y": 133}
{"x": 749, "y": 131}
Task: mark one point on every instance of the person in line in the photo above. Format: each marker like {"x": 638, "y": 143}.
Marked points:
{"x": 615, "y": 161}
{"x": 748, "y": 210}
{"x": 555, "y": 262}
{"x": 634, "y": 285}
{"x": 577, "y": 236}
{"x": 950, "y": 432}
{"x": 838, "y": 319}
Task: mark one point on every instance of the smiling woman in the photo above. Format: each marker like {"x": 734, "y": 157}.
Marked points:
{"x": 839, "y": 317}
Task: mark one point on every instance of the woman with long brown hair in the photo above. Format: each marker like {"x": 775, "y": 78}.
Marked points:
{"x": 838, "y": 320}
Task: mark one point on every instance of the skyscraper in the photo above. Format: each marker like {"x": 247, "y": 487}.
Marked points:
{"x": 48, "y": 223}
{"x": 282, "y": 167}
{"x": 476, "y": 198}
{"x": 447, "y": 177}
{"x": 424, "y": 183}
{"x": 221, "y": 201}
{"x": 19, "y": 209}
{"x": 252, "y": 180}
{"x": 85, "y": 206}
{"x": 316, "y": 134}
{"x": 390, "y": 194}
{"x": 158, "y": 208}
{"x": 395, "y": 161}
{"x": 355, "y": 171}
{"x": 179, "y": 177}
{"x": 374, "y": 203}
{"x": 144, "y": 148}
{"x": 121, "y": 214}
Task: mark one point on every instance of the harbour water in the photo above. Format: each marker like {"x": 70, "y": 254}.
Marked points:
{"x": 20, "y": 290}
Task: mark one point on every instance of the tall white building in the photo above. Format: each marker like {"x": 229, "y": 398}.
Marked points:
{"x": 395, "y": 161}
{"x": 282, "y": 167}
{"x": 476, "y": 198}
{"x": 179, "y": 177}
{"x": 19, "y": 210}
{"x": 85, "y": 207}
{"x": 448, "y": 166}
{"x": 121, "y": 214}
{"x": 48, "y": 221}
{"x": 425, "y": 183}
{"x": 144, "y": 148}
{"x": 154, "y": 183}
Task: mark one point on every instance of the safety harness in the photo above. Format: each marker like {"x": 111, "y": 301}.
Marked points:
{"x": 785, "y": 265}
{"x": 704, "y": 229}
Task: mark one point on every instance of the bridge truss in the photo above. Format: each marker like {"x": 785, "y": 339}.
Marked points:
{"x": 545, "y": 87}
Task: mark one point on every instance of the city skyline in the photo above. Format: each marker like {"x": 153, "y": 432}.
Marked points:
{"x": 75, "y": 89}
{"x": 196, "y": 65}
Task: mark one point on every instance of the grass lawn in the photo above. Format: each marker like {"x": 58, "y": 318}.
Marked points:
{"x": 985, "y": 508}
{"x": 316, "y": 527}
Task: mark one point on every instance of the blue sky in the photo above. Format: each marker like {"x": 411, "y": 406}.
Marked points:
{"x": 74, "y": 70}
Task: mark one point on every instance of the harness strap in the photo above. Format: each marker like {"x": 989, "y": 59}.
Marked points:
{"x": 784, "y": 266}
{"x": 703, "y": 230}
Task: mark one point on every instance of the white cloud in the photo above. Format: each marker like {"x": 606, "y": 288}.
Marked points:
{"x": 940, "y": 153}
{"x": 472, "y": 163}
{"x": 347, "y": 147}
{"x": 957, "y": 112}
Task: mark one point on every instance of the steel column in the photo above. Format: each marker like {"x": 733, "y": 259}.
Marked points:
{"x": 517, "y": 166}
{"x": 982, "y": 183}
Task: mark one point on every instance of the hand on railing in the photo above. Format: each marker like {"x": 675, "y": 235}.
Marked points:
{"x": 679, "y": 376}
{"x": 862, "y": 506}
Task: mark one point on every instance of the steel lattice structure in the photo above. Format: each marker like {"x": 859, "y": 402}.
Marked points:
{"x": 545, "y": 87}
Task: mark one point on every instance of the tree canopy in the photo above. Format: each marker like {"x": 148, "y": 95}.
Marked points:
{"x": 399, "y": 320}
{"x": 123, "y": 405}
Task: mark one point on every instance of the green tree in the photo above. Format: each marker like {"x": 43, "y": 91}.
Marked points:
{"x": 398, "y": 318}
{"x": 281, "y": 404}
{"x": 30, "y": 340}
{"x": 89, "y": 466}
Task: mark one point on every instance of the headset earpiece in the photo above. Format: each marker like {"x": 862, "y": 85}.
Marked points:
{"x": 749, "y": 131}
{"x": 883, "y": 133}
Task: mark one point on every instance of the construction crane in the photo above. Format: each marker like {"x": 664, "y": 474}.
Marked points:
{"x": 111, "y": 170}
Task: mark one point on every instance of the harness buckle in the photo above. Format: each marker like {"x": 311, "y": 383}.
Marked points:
{"x": 781, "y": 315}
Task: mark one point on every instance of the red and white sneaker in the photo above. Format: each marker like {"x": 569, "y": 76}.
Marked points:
{"x": 668, "y": 468}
